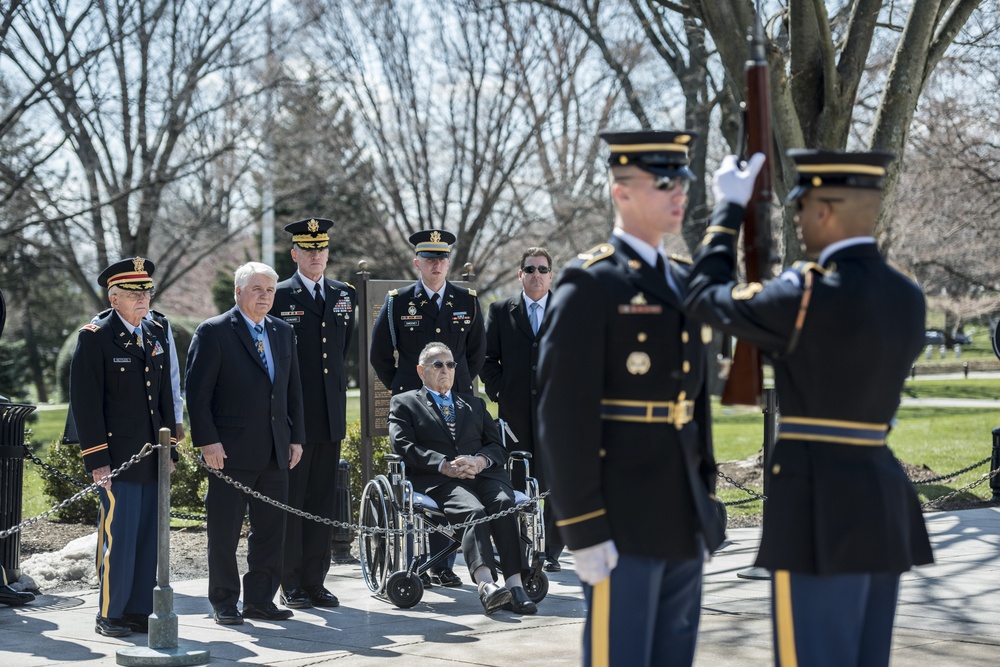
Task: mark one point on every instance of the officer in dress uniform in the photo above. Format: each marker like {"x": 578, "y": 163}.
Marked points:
{"x": 842, "y": 521}
{"x": 430, "y": 310}
{"x": 120, "y": 392}
{"x": 625, "y": 411}
{"x": 322, "y": 313}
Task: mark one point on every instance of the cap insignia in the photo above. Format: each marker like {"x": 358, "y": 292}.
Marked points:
{"x": 313, "y": 226}
{"x": 435, "y": 237}
{"x": 138, "y": 264}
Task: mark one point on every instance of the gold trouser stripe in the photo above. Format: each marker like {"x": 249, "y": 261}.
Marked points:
{"x": 3, "y": 573}
{"x": 600, "y": 624}
{"x": 105, "y": 593}
{"x": 840, "y": 423}
{"x": 583, "y": 517}
{"x": 839, "y": 440}
{"x": 785, "y": 627}
{"x": 100, "y": 541}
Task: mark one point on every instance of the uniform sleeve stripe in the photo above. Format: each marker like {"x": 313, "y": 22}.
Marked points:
{"x": 94, "y": 449}
{"x": 581, "y": 518}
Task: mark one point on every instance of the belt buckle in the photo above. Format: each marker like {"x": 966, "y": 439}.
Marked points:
{"x": 681, "y": 412}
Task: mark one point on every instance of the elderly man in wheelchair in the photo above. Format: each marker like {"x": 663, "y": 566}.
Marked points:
{"x": 449, "y": 466}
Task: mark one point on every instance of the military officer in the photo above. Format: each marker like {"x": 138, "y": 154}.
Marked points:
{"x": 624, "y": 411}
{"x": 842, "y": 521}
{"x": 430, "y": 310}
{"x": 120, "y": 393}
{"x": 322, "y": 313}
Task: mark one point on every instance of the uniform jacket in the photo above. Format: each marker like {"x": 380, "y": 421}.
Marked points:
{"x": 322, "y": 336}
{"x": 120, "y": 394}
{"x": 458, "y": 324}
{"x": 231, "y": 398}
{"x": 832, "y": 507}
{"x": 510, "y": 369}
{"x": 420, "y": 435}
{"x": 615, "y": 330}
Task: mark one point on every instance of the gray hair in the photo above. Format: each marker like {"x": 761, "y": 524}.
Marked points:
{"x": 246, "y": 271}
{"x": 433, "y": 349}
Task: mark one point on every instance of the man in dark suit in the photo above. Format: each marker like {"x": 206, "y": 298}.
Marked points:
{"x": 430, "y": 310}
{"x": 245, "y": 404}
{"x": 842, "y": 521}
{"x": 625, "y": 411}
{"x": 509, "y": 371}
{"x": 119, "y": 386}
{"x": 321, "y": 311}
{"x": 453, "y": 454}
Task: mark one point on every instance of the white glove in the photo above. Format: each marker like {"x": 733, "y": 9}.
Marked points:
{"x": 594, "y": 564}
{"x": 734, "y": 185}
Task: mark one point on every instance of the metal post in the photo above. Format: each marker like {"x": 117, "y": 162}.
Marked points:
{"x": 343, "y": 538}
{"x": 771, "y": 415}
{"x": 965, "y": 369}
{"x": 12, "y": 482}
{"x": 162, "y": 649}
{"x": 994, "y": 465}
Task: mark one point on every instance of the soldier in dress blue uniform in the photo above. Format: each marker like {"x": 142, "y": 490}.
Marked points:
{"x": 625, "y": 411}
{"x": 120, "y": 393}
{"x": 842, "y": 521}
{"x": 322, "y": 313}
{"x": 430, "y": 310}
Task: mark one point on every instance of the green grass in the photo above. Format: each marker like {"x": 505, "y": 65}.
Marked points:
{"x": 964, "y": 388}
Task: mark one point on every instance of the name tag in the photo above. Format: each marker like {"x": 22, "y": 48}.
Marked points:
{"x": 643, "y": 309}
{"x": 123, "y": 360}
{"x": 289, "y": 319}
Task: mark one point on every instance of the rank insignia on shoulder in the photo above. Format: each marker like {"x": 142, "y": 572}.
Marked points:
{"x": 680, "y": 259}
{"x": 472, "y": 292}
{"x": 393, "y": 292}
{"x": 803, "y": 267}
{"x": 596, "y": 254}
{"x": 90, "y": 327}
{"x": 744, "y": 291}
{"x": 350, "y": 285}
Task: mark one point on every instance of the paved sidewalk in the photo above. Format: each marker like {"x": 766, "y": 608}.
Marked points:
{"x": 949, "y": 615}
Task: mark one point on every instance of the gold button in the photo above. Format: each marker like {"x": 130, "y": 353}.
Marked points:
{"x": 602, "y": 452}
{"x": 123, "y": 369}
{"x": 684, "y": 337}
{"x": 150, "y": 397}
{"x": 642, "y": 337}
{"x": 776, "y": 469}
{"x": 324, "y": 355}
{"x": 686, "y": 367}
{"x": 147, "y": 369}
{"x": 323, "y": 324}
{"x": 437, "y": 330}
{"x": 324, "y": 340}
{"x": 326, "y": 371}
{"x": 147, "y": 383}
{"x": 682, "y": 396}
{"x": 109, "y": 434}
{"x": 150, "y": 412}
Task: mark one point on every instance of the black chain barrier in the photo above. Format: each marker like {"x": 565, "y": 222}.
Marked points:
{"x": 941, "y": 478}
{"x": 745, "y": 501}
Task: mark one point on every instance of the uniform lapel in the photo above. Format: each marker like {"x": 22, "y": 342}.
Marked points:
{"x": 645, "y": 277}
{"x": 243, "y": 333}
{"x": 519, "y": 313}
{"x": 422, "y": 300}
{"x": 124, "y": 338}
{"x": 304, "y": 297}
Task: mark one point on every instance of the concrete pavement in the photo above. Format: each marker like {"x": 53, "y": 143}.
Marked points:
{"x": 949, "y": 615}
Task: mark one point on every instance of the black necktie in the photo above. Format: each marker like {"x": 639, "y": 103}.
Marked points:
{"x": 434, "y": 303}
{"x": 318, "y": 293}
{"x": 661, "y": 265}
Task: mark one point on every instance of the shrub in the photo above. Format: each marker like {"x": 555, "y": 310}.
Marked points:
{"x": 350, "y": 451}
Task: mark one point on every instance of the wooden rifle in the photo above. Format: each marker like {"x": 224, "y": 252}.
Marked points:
{"x": 745, "y": 381}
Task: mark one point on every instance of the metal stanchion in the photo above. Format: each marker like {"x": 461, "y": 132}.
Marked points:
{"x": 12, "y": 417}
{"x": 162, "y": 649}
{"x": 994, "y": 464}
{"x": 342, "y": 537}
{"x": 771, "y": 414}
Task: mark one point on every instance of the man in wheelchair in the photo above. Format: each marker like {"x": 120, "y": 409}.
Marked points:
{"x": 453, "y": 453}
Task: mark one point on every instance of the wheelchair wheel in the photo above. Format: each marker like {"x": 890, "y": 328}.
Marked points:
{"x": 536, "y": 585}
{"x": 404, "y": 589}
{"x": 379, "y": 550}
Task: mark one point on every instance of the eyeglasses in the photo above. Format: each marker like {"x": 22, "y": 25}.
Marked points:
{"x": 450, "y": 365}
{"x": 136, "y": 296}
{"x": 531, "y": 269}
{"x": 668, "y": 184}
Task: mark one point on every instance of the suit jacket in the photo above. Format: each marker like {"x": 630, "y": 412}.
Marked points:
{"x": 120, "y": 394}
{"x": 832, "y": 507}
{"x": 458, "y": 324}
{"x": 322, "y": 336}
{"x": 420, "y": 435}
{"x": 509, "y": 371}
{"x": 614, "y": 330}
{"x": 231, "y": 398}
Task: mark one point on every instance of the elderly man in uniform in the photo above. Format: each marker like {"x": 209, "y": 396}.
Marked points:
{"x": 321, "y": 311}
{"x": 509, "y": 372}
{"x": 119, "y": 387}
{"x": 625, "y": 411}
{"x": 430, "y": 310}
{"x": 842, "y": 521}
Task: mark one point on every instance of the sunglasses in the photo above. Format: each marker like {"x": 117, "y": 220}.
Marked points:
{"x": 668, "y": 184}
{"x": 442, "y": 364}
{"x": 531, "y": 269}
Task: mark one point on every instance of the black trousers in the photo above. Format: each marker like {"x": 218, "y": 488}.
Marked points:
{"x": 467, "y": 499}
{"x": 311, "y": 488}
{"x": 226, "y": 505}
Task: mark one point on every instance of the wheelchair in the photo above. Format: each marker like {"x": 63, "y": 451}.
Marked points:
{"x": 395, "y": 523}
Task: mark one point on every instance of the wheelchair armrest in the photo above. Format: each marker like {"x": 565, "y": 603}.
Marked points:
{"x": 519, "y": 455}
{"x": 392, "y": 458}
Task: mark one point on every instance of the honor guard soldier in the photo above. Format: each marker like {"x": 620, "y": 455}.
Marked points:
{"x": 428, "y": 311}
{"x": 842, "y": 521}
{"x": 119, "y": 387}
{"x": 322, "y": 313}
{"x": 625, "y": 411}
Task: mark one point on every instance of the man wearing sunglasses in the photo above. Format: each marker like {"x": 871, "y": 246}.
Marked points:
{"x": 453, "y": 453}
{"x": 624, "y": 410}
{"x": 842, "y": 521}
{"x": 509, "y": 372}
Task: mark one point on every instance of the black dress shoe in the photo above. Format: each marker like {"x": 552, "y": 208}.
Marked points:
{"x": 552, "y": 566}
{"x": 14, "y": 598}
{"x": 520, "y": 603}
{"x": 137, "y": 622}
{"x": 112, "y": 627}
{"x": 425, "y": 579}
{"x": 296, "y": 598}
{"x": 494, "y": 597}
{"x": 228, "y": 616}
{"x": 321, "y": 597}
{"x": 446, "y": 577}
{"x": 267, "y": 611}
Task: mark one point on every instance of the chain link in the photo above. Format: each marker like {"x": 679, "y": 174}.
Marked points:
{"x": 941, "y": 478}
{"x": 756, "y": 496}
{"x": 985, "y": 478}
